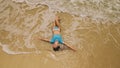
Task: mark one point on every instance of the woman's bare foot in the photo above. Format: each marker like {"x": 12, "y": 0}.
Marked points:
{"x": 57, "y": 18}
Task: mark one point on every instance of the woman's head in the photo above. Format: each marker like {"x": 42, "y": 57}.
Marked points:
{"x": 55, "y": 44}
{"x": 56, "y": 47}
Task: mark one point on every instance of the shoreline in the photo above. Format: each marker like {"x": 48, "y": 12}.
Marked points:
{"x": 26, "y": 61}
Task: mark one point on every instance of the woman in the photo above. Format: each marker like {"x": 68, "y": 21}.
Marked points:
{"x": 56, "y": 38}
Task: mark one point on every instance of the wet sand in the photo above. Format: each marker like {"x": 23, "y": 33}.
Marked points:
{"x": 97, "y": 42}
{"x": 26, "y": 61}
{"x": 98, "y": 51}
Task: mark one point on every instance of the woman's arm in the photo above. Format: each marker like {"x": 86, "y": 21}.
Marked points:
{"x": 46, "y": 40}
{"x": 69, "y": 46}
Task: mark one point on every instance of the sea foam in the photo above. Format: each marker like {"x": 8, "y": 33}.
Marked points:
{"x": 101, "y": 10}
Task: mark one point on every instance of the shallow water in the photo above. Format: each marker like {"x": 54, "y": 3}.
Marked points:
{"x": 92, "y": 27}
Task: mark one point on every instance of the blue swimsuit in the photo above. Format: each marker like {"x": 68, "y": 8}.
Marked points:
{"x": 56, "y": 37}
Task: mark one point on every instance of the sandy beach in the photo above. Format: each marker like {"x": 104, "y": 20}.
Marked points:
{"x": 27, "y": 61}
{"x": 92, "y": 27}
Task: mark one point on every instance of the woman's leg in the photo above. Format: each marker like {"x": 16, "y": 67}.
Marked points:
{"x": 56, "y": 23}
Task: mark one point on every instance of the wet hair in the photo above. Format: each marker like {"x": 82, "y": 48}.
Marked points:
{"x": 57, "y": 48}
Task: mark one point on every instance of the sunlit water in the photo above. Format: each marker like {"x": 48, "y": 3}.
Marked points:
{"x": 91, "y": 26}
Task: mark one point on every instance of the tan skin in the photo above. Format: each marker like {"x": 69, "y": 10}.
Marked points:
{"x": 57, "y": 23}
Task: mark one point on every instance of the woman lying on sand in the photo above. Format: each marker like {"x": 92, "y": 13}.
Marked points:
{"x": 56, "y": 38}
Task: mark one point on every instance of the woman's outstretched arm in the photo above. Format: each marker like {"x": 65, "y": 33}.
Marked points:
{"x": 69, "y": 46}
{"x": 46, "y": 40}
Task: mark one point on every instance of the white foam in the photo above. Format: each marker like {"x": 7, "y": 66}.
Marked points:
{"x": 94, "y": 8}
{"x": 6, "y": 49}
{"x": 18, "y": 0}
